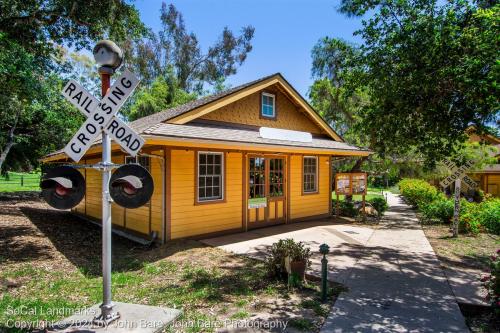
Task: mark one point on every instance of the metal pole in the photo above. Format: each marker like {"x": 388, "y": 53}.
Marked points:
{"x": 107, "y": 314}
{"x": 456, "y": 212}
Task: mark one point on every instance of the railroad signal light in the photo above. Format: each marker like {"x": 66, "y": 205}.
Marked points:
{"x": 131, "y": 186}
{"x": 63, "y": 187}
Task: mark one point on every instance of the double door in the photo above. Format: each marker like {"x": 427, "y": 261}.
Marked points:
{"x": 267, "y": 195}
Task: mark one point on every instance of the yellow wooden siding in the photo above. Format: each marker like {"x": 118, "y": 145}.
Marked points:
{"x": 188, "y": 219}
{"x": 247, "y": 111}
{"x": 493, "y": 184}
{"x": 302, "y": 206}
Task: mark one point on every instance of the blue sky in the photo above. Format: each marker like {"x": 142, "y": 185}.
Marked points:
{"x": 285, "y": 31}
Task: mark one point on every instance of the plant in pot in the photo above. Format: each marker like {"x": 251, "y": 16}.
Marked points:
{"x": 299, "y": 259}
{"x": 298, "y": 256}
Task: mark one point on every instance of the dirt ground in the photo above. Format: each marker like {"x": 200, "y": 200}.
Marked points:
{"x": 471, "y": 253}
{"x": 51, "y": 259}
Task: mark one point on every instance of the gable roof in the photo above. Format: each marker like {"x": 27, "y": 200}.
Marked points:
{"x": 187, "y": 112}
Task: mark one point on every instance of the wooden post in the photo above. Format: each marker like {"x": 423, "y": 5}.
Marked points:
{"x": 456, "y": 212}
{"x": 364, "y": 208}
{"x": 337, "y": 206}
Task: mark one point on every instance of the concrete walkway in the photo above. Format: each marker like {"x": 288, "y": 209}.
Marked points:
{"x": 397, "y": 285}
{"x": 395, "y": 280}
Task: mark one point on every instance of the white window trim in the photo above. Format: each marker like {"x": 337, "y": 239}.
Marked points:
{"x": 316, "y": 183}
{"x": 262, "y": 105}
{"x": 223, "y": 171}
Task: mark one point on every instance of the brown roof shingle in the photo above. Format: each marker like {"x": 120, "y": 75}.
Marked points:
{"x": 228, "y": 133}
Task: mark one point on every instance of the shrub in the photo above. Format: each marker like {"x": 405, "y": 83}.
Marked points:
{"x": 275, "y": 262}
{"x": 440, "y": 210}
{"x": 489, "y": 215}
{"x": 346, "y": 208}
{"x": 469, "y": 217}
{"x": 418, "y": 192}
{"x": 492, "y": 283}
{"x": 379, "y": 204}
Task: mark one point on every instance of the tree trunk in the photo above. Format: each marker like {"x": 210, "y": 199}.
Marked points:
{"x": 10, "y": 142}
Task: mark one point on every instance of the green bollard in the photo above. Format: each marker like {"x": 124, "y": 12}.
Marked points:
{"x": 324, "y": 249}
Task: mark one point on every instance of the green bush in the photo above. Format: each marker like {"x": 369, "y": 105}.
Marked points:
{"x": 489, "y": 215}
{"x": 418, "y": 192}
{"x": 379, "y": 204}
{"x": 440, "y": 210}
{"x": 346, "y": 208}
{"x": 434, "y": 206}
{"x": 491, "y": 283}
{"x": 469, "y": 217}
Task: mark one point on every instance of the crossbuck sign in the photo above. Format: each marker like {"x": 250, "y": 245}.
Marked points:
{"x": 458, "y": 173}
{"x": 101, "y": 116}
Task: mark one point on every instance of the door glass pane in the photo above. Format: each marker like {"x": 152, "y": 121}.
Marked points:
{"x": 276, "y": 177}
{"x": 257, "y": 178}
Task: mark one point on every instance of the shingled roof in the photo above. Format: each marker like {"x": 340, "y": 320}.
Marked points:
{"x": 144, "y": 123}
{"x": 228, "y": 133}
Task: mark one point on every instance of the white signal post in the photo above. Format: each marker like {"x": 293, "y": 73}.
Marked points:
{"x": 101, "y": 119}
{"x": 457, "y": 175}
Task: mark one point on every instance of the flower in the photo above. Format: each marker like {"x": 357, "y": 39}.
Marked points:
{"x": 498, "y": 251}
{"x": 485, "y": 278}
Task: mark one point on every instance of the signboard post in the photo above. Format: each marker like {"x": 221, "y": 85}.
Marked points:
{"x": 457, "y": 175}
{"x": 349, "y": 184}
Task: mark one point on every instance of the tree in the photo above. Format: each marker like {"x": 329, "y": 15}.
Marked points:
{"x": 164, "y": 93}
{"x": 335, "y": 92}
{"x": 38, "y": 25}
{"x": 430, "y": 69}
{"x": 177, "y": 50}
{"x": 34, "y": 118}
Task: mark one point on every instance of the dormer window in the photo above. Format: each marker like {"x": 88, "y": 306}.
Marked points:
{"x": 268, "y": 106}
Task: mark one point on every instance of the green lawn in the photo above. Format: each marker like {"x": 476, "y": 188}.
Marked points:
{"x": 371, "y": 193}
{"x": 55, "y": 269}
{"x": 20, "y": 181}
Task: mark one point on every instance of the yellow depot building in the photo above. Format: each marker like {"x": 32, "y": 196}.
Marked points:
{"x": 488, "y": 177}
{"x": 251, "y": 156}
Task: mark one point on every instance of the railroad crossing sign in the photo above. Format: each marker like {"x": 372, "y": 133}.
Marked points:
{"x": 458, "y": 173}
{"x": 101, "y": 116}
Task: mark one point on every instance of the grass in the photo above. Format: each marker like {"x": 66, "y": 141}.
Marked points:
{"x": 18, "y": 181}
{"x": 49, "y": 274}
{"x": 469, "y": 250}
{"x": 372, "y": 192}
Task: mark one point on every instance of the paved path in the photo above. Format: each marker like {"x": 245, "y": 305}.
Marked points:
{"x": 397, "y": 284}
{"x": 345, "y": 240}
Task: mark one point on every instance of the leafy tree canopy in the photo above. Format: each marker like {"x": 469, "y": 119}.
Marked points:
{"x": 429, "y": 68}
{"x": 34, "y": 118}
{"x": 163, "y": 93}
{"x": 38, "y": 25}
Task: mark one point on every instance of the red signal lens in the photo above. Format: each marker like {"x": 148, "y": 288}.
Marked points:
{"x": 61, "y": 190}
{"x": 128, "y": 188}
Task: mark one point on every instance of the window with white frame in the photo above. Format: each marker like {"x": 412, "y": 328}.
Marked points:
{"x": 268, "y": 107}
{"x": 210, "y": 176}
{"x": 310, "y": 172}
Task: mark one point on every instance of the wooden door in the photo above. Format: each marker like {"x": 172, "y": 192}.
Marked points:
{"x": 267, "y": 190}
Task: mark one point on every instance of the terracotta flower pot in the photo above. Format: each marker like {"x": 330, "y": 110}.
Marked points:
{"x": 299, "y": 268}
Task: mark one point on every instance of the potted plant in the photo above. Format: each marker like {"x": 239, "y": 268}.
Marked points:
{"x": 288, "y": 250}
{"x": 299, "y": 256}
